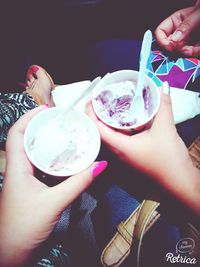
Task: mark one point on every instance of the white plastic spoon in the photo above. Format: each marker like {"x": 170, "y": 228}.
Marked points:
{"x": 58, "y": 121}
{"x": 138, "y": 101}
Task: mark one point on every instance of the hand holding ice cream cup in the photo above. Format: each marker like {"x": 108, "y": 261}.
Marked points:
{"x": 113, "y": 100}
{"x": 61, "y": 147}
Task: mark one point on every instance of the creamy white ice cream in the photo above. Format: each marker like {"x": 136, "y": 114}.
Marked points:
{"x": 63, "y": 146}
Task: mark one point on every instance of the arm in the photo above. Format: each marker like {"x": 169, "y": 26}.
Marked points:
{"x": 158, "y": 152}
{"x": 29, "y": 209}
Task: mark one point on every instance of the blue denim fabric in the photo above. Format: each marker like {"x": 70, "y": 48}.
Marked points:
{"x": 115, "y": 205}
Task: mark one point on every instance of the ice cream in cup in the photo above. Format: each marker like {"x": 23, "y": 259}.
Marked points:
{"x": 63, "y": 147}
{"x": 113, "y": 103}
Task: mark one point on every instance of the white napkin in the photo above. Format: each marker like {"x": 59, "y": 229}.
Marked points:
{"x": 185, "y": 103}
{"x": 63, "y": 95}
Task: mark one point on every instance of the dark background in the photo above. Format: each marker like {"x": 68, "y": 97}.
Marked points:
{"x": 55, "y": 34}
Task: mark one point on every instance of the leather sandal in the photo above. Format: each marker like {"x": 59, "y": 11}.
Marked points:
{"x": 128, "y": 232}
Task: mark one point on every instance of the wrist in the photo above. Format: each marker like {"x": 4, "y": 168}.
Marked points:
{"x": 12, "y": 254}
{"x": 13, "y": 257}
{"x": 193, "y": 196}
{"x": 184, "y": 183}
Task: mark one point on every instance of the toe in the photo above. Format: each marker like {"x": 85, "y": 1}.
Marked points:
{"x": 42, "y": 74}
{"x": 31, "y": 80}
{"x": 39, "y": 72}
{"x": 28, "y": 83}
{"x": 31, "y": 73}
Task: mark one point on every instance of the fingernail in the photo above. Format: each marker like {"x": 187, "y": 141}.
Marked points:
{"x": 34, "y": 68}
{"x": 187, "y": 52}
{"x": 177, "y": 36}
{"x": 47, "y": 105}
{"x": 99, "y": 167}
{"x": 166, "y": 88}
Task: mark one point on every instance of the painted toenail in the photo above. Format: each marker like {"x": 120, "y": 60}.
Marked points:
{"x": 34, "y": 69}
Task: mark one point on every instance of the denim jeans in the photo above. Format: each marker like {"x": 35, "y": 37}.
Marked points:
{"x": 114, "y": 206}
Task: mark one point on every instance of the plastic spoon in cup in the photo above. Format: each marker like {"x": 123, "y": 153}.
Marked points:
{"x": 59, "y": 118}
{"x": 81, "y": 96}
{"x": 138, "y": 100}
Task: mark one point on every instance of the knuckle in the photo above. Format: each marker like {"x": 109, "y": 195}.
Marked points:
{"x": 178, "y": 16}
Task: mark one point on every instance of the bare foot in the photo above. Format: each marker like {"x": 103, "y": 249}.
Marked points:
{"x": 39, "y": 85}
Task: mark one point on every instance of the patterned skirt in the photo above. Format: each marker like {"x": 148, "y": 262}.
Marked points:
{"x": 12, "y": 107}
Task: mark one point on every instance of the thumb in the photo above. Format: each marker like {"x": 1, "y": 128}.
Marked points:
{"x": 184, "y": 30}
{"x": 66, "y": 192}
{"x": 164, "y": 115}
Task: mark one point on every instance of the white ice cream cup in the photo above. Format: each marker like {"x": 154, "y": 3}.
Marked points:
{"x": 119, "y": 77}
{"x": 61, "y": 148}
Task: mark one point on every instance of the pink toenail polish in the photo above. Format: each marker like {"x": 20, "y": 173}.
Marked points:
{"x": 34, "y": 69}
{"x": 99, "y": 167}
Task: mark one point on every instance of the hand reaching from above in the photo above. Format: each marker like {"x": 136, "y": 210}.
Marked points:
{"x": 30, "y": 209}
{"x": 179, "y": 32}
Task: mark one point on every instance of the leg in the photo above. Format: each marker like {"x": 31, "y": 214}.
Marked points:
{"x": 14, "y": 105}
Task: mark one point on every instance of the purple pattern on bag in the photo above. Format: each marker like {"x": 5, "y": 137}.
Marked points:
{"x": 179, "y": 72}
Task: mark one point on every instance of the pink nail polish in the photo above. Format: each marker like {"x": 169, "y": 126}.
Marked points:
{"x": 99, "y": 167}
{"x": 34, "y": 69}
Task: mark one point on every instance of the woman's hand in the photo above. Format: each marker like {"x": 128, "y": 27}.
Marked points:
{"x": 30, "y": 209}
{"x": 177, "y": 32}
{"x": 159, "y": 152}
